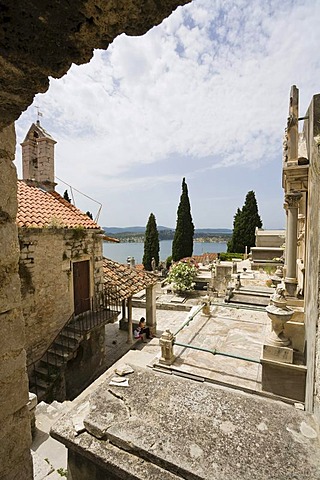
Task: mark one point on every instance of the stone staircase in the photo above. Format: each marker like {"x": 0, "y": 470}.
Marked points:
{"x": 49, "y": 367}
{"x": 45, "y": 372}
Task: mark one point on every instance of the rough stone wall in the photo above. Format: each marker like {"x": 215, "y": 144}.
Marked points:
{"x": 15, "y": 433}
{"x": 45, "y": 266}
{"x": 39, "y": 39}
{"x": 313, "y": 260}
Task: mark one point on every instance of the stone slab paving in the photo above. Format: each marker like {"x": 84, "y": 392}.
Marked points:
{"x": 229, "y": 330}
{"x": 49, "y": 455}
{"x": 233, "y": 331}
{"x": 190, "y": 430}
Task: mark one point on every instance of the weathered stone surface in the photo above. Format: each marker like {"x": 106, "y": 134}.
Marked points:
{"x": 12, "y": 332}
{"x": 13, "y": 383}
{"x": 8, "y": 190}
{"x": 15, "y": 442}
{"x": 43, "y": 39}
{"x": 197, "y": 431}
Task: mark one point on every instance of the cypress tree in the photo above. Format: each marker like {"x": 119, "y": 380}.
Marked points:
{"x": 233, "y": 244}
{"x": 244, "y": 225}
{"x": 151, "y": 243}
{"x": 182, "y": 245}
{"x": 250, "y": 219}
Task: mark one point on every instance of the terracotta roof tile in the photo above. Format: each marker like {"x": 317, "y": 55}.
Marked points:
{"x": 203, "y": 258}
{"x": 126, "y": 280}
{"x": 38, "y": 208}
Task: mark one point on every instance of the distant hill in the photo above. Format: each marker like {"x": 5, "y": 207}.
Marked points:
{"x": 131, "y": 229}
{"x": 116, "y": 230}
{"x": 213, "y": 230}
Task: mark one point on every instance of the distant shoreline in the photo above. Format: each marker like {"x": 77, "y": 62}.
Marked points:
{"x": 129, "y": 237}
{"x": 121, "y": 251}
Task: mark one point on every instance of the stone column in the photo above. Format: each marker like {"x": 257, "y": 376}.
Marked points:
{"x": 123, "y": 309}
{"x": 292, "y": 201}
{"x": 129, "y": 313}
{"x": 151, "y": 308}
{"x": 15, "y": 432}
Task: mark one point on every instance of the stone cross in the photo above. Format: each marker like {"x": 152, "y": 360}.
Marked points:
{"x": 290, "y": 145}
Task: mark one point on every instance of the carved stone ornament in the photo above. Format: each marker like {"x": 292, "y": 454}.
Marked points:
{"x": 292, "y": 199}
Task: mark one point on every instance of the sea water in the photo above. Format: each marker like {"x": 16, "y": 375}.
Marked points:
{"x": 121, "y": 251}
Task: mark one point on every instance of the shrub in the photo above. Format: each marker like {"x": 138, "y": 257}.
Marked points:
{"x": 168, "y": 262}
{"x": 182, "y": 276}
{"x": 227, "y": 256}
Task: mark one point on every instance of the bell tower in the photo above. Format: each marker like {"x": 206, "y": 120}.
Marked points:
{"x": 38, "y": 157}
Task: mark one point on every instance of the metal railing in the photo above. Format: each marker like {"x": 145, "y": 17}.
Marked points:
{"x": 104, "y": 307}
{"x": 212, "y": 351}
{"x": 216, "y": 352}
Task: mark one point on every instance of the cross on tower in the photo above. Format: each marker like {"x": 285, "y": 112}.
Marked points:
{"x": 39, "y": 114}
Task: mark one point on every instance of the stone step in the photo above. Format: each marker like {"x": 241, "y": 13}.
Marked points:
{"x": 66, "y": 342}
{"x": 53, "y": 360}
{"x": 46, "y": 371}
{"x": 61, "y": 351}
{"x": 40, "y": 392}
{"x": 39, "y": 383}
{"x": 70, "y": 335}
{"x": 259, "y": 300}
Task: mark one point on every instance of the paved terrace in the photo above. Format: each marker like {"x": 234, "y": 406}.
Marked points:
{"x": 236, "y": 331}
{"x": 233, "y": 331}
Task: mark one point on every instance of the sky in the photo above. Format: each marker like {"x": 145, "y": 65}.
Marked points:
{"x": 204, "y": 95}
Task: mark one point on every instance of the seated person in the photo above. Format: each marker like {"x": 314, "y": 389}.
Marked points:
{"x": 141, "y": 329}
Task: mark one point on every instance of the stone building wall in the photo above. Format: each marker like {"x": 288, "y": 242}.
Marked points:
{"x": 46, "y": 262}
{"x": 312, "y": 288}
{"x": 15, "y": 433}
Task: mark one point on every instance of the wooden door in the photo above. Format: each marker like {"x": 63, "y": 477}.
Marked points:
{"x": 81, "y": 287}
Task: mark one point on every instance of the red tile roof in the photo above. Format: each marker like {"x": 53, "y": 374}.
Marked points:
{"x": 38, "y": 208}
{"x": 126, "y": 280}
{"x": 203, "y": 258}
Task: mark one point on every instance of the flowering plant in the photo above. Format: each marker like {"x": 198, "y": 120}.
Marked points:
{"x": 182, "y": 276}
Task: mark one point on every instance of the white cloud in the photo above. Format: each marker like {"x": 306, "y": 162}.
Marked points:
{"x": 209, "y": 85}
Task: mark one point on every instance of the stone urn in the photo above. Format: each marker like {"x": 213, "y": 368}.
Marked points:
{"x": 278, "y": 276}
{"x": 279, "y": 314}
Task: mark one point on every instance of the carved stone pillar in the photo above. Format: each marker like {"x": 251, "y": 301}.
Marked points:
{"x": 166, "y": 344}
{"x": 292, "y": 201}
{"x": 151, "y": 308}
{"x": 129, "y": 314}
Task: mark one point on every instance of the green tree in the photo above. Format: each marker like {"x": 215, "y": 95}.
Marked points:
{"x": 233, "y": 244}
{"x": 66, "y": 196}
{"x": 182, "y": 245}
{"x": 244, "y": 225}
{"x": 182, "y": 276}
{"x": 151, "y": 244}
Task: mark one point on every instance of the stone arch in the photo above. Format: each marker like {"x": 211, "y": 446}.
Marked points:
{"x": 38, "y": 40}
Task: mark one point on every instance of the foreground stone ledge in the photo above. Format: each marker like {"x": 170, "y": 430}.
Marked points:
{"x": 191, "y": 430}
